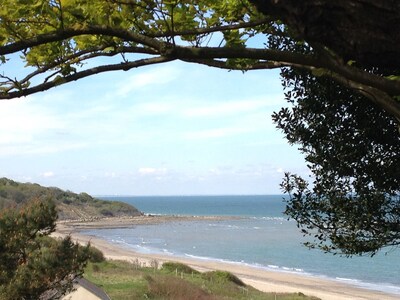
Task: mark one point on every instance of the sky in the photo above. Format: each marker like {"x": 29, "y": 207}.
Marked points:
{"x": 169, "y": 129}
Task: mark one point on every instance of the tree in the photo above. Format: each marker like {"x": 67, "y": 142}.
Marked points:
{"x": 32, "y": 265}
{"x": 338, "y": 59}
{"x": 352, "y": 148}
{"x": 355, "y": 160}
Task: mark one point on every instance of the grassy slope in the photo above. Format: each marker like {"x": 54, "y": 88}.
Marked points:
{"x": 69, "y": 205}
{"x": 122, "y": 280}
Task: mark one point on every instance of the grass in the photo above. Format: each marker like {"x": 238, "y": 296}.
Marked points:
{"x": 174, "y": 281}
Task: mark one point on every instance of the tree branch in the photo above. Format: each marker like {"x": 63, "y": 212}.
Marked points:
{"x": 224, "y": 65}
{"x": 208, "y": 56}
{"x": 392, "y": 87}
{"x": 82, "y": 56}
{"x": 82, "y": 74}
{"x": 70, "y": 33}
{"x": 200, "y": 31}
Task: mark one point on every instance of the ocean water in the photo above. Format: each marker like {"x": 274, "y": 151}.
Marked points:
{"x": 262, "y": 237}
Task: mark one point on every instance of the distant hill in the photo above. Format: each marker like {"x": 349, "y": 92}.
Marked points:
{"x": 69, "y": 205}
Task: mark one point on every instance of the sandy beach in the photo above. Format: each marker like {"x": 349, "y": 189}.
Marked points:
{"x": 264, "y": 280}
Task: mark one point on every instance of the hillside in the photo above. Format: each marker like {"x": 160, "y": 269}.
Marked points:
{"x": 69, "y": 204}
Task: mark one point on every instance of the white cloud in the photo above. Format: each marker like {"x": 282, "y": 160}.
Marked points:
{"x": 39, "y": 148}
{"x": 152, "y": 171}
{"x": 110, "y": 174}
{"x": 156, "y": 76}
{"x": 26, "y": 127}
{"x": 226, "y": 108}
{"x": 23, "y": 118}
{"x": 47, "y": 174}
{"x": 154, "y": 108}
{"x": 213, "y": 133}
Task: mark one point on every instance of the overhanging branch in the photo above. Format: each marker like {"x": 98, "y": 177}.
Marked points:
{"x": 392, "y": 87}
{"x": 82, "y": 74}
{"x": 263, "y": 58}
{"x": 70, "y": 33}
{"x": 268, "y": 65}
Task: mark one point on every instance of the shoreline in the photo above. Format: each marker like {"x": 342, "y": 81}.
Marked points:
{"x": 260, "y": 278}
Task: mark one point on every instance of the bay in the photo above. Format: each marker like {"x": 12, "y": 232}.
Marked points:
{"x": 261, "y": 237}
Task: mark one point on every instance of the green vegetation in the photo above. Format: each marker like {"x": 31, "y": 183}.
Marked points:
{"x": 69, "y": 205}
{"x": 122, "y": 280}
{"x": 222, "y": 277}
{"x": 178, "y": 268}
{"x": 352, "y": 148}
{"x": 32, "y": 265}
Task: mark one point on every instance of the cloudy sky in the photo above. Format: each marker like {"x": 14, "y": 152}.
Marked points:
{"x": 171, "y": 129}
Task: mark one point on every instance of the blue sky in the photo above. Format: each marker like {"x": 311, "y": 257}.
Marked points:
{"x": 171, "y": 129}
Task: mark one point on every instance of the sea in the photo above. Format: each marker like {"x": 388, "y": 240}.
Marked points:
{"x": 262, "y": 237}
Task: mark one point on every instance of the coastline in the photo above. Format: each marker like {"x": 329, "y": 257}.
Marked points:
{"x": 262, "y": 279}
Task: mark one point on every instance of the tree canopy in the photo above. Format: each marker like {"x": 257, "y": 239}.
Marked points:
{"x": 58, "y": 38}
{"x": 340, "y": 68}
{"x": 354, "y": 157}
{"x": 32, "y": 265}
{"x": 352, "y": 148}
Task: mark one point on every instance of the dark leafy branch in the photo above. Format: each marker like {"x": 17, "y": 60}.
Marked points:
{"x": 352, "y": 149}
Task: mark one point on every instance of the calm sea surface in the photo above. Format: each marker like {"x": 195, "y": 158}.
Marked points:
{"x": 263, "y": 237}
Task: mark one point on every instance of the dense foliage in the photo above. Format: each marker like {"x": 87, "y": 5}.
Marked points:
{"x": 352, "y": 149}
{"x": 33, "y": 266}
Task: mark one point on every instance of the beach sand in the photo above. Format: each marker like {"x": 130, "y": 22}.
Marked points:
{"x": 261, "y": 279}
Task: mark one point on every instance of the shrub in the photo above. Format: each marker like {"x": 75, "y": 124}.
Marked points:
{"x": 95, "y": 255}
{"x": 67, "y": 201}
{"x": 3, "y": 193}
{"x": 178, "y": 267}
{"x": 222, "y": 276}
{"x": 175, "y": 288}
{"x": 106, "y": 212}
{"x": 96, "y": 268}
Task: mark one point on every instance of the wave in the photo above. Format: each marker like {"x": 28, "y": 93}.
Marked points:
{"x": 382, "y": 287}
{"x": 158, "y": 246}
{"x": 347, "y": 279}
{"x": 275, "y": 219}
{"x": 253, "y": 265}
{"x": 226, "y": 226}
